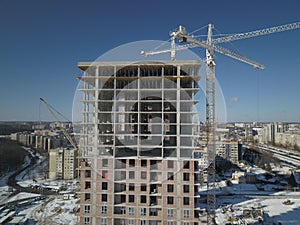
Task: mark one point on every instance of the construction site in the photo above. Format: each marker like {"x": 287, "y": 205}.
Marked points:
{"x": 139, "y": 136}
{"x": 140, "y": 169}
{"x": 141, "y": 160}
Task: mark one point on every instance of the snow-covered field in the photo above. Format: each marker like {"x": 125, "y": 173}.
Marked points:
{"x": 21, "y": 196}
{"x": 53, "y": 211}
{"x": 58, "y": 210}
{"x": 278, "y": 212}
{"x": 275, "y": 212}
{"x": 44, "y": 209}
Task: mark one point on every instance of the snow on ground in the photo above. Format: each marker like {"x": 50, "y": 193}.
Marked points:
{"x": 37, "y": 171}
{"x": 278, "y": 212}
{"x": 70, "y": 185}
{"x": 22, "y": 195}
{"x": 3, "y": 180}
{"x": 47, "y": 210}
{"x": 55, "y": 211}
{"x": 275, "y": 211}
{"x": 4, "y": 189}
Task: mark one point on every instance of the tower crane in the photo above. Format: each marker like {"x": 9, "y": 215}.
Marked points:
{"x": 211, "y": 47}
{"x": 65, "y": 132}
{"x": 63, "y": 129}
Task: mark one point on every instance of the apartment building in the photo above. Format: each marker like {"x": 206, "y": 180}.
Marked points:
{"x": 62, "y": 163}
{"x": 138, "y": 143}
{"x": 228, "y": 150}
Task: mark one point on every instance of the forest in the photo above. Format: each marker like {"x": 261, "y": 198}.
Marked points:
{"x": 11, "y": 155}
{"x": 14, "y": 127}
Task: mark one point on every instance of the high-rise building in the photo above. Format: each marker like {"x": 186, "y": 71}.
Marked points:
{"x": 227, "y": 150}
{"x": 62, "y": 163}
{"x": 138, "y": 143}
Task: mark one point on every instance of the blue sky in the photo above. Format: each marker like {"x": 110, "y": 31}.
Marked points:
{"x": 42, "y": 41}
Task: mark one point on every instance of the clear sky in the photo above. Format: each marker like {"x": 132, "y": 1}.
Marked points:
{"x": 42, "y": 41}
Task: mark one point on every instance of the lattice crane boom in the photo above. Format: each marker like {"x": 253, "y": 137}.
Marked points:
{"x": 181, "y": 31}
{"x": 63, "y": 129}
{"x": 196, "y": 43}
{"x": 176, "y": 48}
{"x": 256, "y": 33}
{"x": 221, "y": 50}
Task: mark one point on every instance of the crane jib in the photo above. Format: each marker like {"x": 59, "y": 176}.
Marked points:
{"x": 256, "y": 33}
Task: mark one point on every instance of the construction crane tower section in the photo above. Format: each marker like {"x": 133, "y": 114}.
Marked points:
{"x": 210, "y": 45}
{"x": 63, "y": 129}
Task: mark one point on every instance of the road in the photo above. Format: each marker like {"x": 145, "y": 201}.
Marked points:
{"x": 13, "y": 183}
{"x": 288, "y": 156}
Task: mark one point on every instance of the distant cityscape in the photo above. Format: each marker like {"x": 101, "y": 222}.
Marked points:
{"x": 234, "y": 139}
{"x": 49, "y": 138}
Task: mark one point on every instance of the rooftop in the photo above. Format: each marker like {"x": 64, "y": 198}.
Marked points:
{"x": 85, "y": 65}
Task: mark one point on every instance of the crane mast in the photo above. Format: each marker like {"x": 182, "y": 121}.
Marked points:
{"x": 183, "y": 37}
{"x": 210, "y": 129}
{"x": 211, "y": 47}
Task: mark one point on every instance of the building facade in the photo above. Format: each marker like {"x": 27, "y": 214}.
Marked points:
{"x": 228, "y": 150}
{"x": 138, "y": 143}
{"x": 25, "y": 138}
{"x": 281, "y": 134}
{"x": 62, "y": 164}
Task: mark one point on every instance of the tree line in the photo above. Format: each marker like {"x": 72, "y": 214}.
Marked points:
{"x": 8, "y": 128}
{"x": 11, "y": 155}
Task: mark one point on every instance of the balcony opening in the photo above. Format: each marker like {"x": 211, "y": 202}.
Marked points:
{"x": 87, "y": 185}
{"x": 153, "y": 188}
{"x": 153, "y": 200}
{"x": 87, "y": 196}
{"x": 87, "y": 173}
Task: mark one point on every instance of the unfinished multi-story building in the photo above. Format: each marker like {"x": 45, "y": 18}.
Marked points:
{"x": 137, "y": 143}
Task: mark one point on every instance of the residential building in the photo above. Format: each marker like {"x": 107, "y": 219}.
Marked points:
{"x": 62, "y": 163}
{"x": 281, "y": 134}
{"x": 138, "y": 143}
{"x": 25, "y": 138}
{"x": 228, "y": 150}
